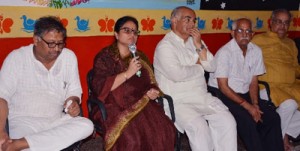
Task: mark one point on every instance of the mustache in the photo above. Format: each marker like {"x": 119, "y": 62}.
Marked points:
{"x": 245, "y": 38}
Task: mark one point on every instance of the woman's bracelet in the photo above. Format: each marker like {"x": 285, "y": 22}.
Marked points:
{"x": 125, "y": 76}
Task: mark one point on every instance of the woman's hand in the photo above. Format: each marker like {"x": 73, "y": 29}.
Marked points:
{"x": 152, "y": 94}
{"x": 134, "y": 66}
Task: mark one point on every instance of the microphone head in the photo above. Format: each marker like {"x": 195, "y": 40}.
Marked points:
{"x": 132, "y": 48}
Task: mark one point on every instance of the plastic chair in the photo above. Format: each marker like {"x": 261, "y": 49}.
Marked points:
{"x": 95, "y": 102}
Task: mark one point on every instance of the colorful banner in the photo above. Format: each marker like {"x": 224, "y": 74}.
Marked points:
{"x": 19, "y": 21}
{"x": 127, "y": 4}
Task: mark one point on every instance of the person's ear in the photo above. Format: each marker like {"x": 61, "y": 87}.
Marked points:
{"x": 173, "y": 20}
{"x": 232, "y": 33}
{"x": 35, "y": 40}
{"x": 116, "y": 35}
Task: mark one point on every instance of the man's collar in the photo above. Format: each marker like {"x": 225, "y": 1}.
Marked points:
{"x": 176, "y": 36}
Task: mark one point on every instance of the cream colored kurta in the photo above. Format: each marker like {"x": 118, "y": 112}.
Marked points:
{"x": 178, "y": 75}
{"x": 280, "y": 58}
{"x": 36, "y": 97}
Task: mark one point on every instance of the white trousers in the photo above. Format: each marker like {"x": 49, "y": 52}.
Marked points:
{"x": 214, "y": 132}
{"x": 289, "y": 115}
{"x": 44, "y": 134}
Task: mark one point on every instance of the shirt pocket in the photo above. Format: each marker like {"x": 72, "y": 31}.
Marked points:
{"x": 59, "y": 86}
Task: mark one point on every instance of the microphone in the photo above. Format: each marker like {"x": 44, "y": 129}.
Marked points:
{"x": 132, "y": 48}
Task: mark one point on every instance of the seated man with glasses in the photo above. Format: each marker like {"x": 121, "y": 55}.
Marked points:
{"x": 235, "y": 81}
{"x": 283, "y": 72}
{"x": 37, "y": 81}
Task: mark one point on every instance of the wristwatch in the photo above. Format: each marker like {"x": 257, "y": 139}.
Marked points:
{"x": 201, "y": 48}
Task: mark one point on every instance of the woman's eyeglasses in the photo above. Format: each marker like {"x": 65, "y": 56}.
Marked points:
{"x": 60, "y": 45}
{"x": 129, "y": 31}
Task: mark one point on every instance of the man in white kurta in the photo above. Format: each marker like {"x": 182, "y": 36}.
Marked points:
{"x": 179, "y": 71}
{"x": 35, "y": 96}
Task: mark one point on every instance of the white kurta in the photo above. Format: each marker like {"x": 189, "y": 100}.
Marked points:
{"x": 178, "y": 75}
{"x": 36, "y": 97}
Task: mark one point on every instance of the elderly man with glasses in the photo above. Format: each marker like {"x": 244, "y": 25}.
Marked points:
{"x": 283, "y": 72}
{"x": 235, "y": 81}
{"x": 38, "y": 82}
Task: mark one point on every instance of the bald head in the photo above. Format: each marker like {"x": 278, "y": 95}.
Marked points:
{"x": 176, "y": 11}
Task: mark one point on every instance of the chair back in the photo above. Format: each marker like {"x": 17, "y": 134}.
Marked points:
{"x": 89, "y": 79}
{"x": 94, "y": 103}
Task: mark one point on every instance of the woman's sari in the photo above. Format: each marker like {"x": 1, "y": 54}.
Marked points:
{"x": 134, "y": 122}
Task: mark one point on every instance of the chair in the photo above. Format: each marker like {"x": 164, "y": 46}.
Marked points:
{"x": 95, "y": 102}
{"x": 267, "y": 87}
{"x": 270, "y": 103}
{"x": 172, "y": 112}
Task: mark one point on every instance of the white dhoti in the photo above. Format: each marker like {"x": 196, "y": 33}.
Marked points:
{"x": 212, "y": 132}
{"x": 289, "y": 115}
{"x": 46, "y": 134}
{"x": 208, "y": 126}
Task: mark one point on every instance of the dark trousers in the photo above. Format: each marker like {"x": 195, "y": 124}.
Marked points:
{"x": 261, "y": 136}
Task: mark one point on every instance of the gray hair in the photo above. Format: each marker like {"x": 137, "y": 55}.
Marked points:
{"x": 282, "y": 10}
{"x": 176, "y": 10}
{"x": 234, "y": 24}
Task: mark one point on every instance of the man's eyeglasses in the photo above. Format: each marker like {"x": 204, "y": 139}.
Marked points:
{"x": 280, "y": 22}
{"x": 240, "y": 31}
{"x": 60, "y": 45}
{"x": 129, "y": 31}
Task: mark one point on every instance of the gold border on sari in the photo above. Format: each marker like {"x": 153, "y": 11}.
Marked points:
{"x": 115, "y": 131}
